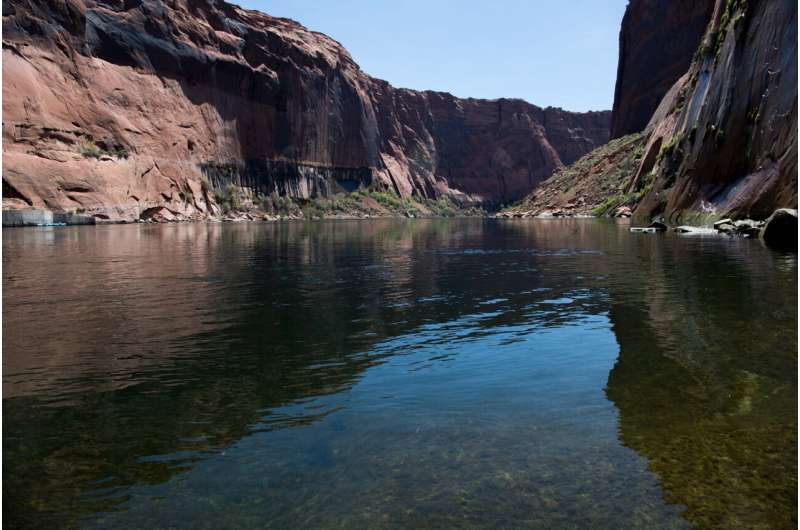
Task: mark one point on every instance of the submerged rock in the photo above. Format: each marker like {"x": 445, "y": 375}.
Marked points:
{"x": 658, "y": 226}
{"x": 696, "y": 230}
{"x": 780, "y": 230}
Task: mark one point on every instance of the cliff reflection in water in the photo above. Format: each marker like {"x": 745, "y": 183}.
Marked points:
{"x": 706, "y": 382}
{"x": 396, "y": 373}
{"x": 127, "y": 342}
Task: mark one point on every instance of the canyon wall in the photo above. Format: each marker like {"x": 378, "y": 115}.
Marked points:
{"x": 723, "y": 142}
{"x": 114, "y": 108}
{"x": 656, "y": 43}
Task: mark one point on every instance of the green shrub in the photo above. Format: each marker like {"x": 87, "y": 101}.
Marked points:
{"x": 275, "y": 204}
{"x": 186, "y": 196}
{"x": 205, "y": 184}
{"x": 89, "y": 149}
{"x": 229, "y": 198}
{"x": 608, "y": 204}
{"x": 119, "y": 152}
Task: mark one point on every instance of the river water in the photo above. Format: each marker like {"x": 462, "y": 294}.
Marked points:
{"x": 397, "y": 374}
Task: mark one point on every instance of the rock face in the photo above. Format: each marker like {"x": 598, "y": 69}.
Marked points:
{"x": 656, "y": 43}
{"x": 594, "y": 185}
{"x": 114, "y": 108}
{"x": 723, "y": 142}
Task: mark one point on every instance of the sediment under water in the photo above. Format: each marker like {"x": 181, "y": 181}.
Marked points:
{"x": 395, "y": 374}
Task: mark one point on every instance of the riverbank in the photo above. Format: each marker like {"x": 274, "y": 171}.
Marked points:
{"x": 234, "y": 205}
{"x": 36, "y": 217}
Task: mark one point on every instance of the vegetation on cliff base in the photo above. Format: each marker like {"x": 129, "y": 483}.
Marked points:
{"x": 594, "y": 185}
{"x": 364, "y": 202}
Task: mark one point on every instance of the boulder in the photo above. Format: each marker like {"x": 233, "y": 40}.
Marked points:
{"x": 748, "y": 227}
{"x": 157, "y": 214}
{"x": 780, "y": 230}
{"x": 622, "y": 211}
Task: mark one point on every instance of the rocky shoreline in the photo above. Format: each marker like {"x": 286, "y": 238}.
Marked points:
{"x": 778, "y": 231}
{"x": 32, "y": 217}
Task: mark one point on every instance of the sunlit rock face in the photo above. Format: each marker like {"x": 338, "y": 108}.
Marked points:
{"x": 115, "y": 107}
{"x": 723, "y": 142}
{"x": 657, "y": 41}
{"x": 718, "y": 119}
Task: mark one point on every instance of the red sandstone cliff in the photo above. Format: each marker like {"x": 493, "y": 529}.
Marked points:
{"x": 721, "y": 143}
{"x": 656, "y": 43}
{"x": 724, "y": 140}
{"x": 114, "y": 107}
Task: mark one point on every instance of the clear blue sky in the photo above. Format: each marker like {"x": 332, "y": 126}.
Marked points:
{"x": 550, "y": 52}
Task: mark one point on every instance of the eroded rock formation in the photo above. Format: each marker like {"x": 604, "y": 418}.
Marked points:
{"x": 723, "y": 142}
{"x": 115, "y": 108}
{"x": 594, "y": 185}
{"x": 656, "y": 43}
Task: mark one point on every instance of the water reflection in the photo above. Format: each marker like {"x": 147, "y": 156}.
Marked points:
{"x": 395, "y": 373}
{"x": 715, "y": 354}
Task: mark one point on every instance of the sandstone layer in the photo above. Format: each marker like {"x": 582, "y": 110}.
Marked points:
{"x": 117, "y": 109}
{"x": 656, "y": 43}
{"x": 722, "y": 142}
{"x": 594, "y": 185}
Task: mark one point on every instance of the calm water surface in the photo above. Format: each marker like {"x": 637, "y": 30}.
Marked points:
{"x": 397, "y": 374}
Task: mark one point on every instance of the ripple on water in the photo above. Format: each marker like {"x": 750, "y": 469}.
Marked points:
{"x": 397, "y": 374}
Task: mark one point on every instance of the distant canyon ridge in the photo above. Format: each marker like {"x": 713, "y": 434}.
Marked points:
{"x": 115, "y": 108}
